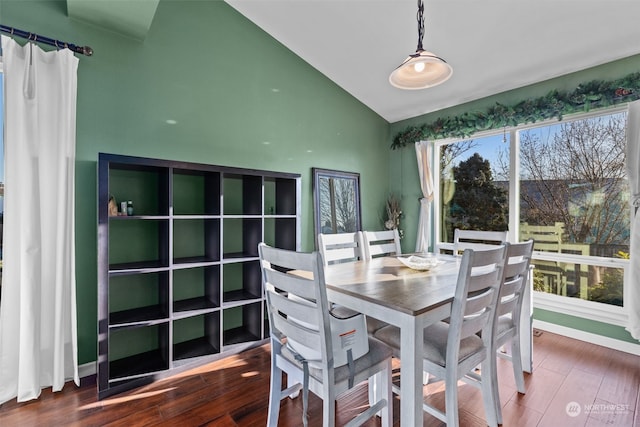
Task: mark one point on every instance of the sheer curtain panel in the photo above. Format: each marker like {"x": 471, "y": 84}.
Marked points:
{"x": 424, "y": 152}
{"x": 632, "y": 284}
{"x": 38, "y": 343}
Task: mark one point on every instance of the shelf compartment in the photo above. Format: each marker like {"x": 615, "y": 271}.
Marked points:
{"x": 242, "y": 323}
{"x": 242, "y": 194}
{"x": 241, "y": 237}
{"x": 280, "y": 196}
{"x": 196, "y": 336}
{"x": 137, "y": 298}
{"x": 196, "y": 192}
{"x": 196, "y": 289}
{"x": 138, "y": 244}
{"x": 138, "y": 351}
{"x": 196, "y": 240}
{"x": 281, "y": 233}
{"x": 146, "y": 186}
{"x": 242, "y": 281}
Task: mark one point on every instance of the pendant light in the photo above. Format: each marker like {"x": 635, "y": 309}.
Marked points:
{"x": 422, "y": 69}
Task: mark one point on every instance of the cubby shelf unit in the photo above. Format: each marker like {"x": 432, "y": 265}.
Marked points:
{"x": 179, "y": 280}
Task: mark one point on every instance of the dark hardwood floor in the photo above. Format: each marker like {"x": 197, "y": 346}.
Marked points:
{"x": 574, "y": 384}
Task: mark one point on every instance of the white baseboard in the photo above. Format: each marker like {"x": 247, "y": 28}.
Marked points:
{"x": 87, "y": 369}
{"x": 612, "y": 343}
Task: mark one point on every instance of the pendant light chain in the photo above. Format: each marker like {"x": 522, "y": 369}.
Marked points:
{"x": 420, "y": 24}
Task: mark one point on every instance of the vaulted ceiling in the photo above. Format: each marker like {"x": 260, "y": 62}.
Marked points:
{"x": 492, "y": 45}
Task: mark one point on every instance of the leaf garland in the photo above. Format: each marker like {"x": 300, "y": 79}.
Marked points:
{"x": 594, "y": 94}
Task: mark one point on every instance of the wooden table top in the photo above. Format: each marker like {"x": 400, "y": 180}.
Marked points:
{"x": 388, "y": 282}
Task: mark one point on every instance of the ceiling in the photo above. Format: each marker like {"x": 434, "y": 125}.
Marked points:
{"x": 492, "y": 45}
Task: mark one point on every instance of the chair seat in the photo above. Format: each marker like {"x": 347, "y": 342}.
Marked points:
{"x": 435, "y": 342}
{"x": 373, "y": 325}
{"x": 378, "y": 353}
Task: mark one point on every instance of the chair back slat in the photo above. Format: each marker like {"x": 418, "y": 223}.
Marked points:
{"x": 516, "y": 266}
{"x": 478, "y": 240}
{"x": 336, "y": 255}
{"x": 484, "y": 277}
{"x": 289, "y": 260}
{"x": 382, "y": 249}
{"x": 341, "y": 247}
{"x": 297, "y": 332}
{"x": 296, "y": 309}
{"x": 507, "y": 306}
{"x": 381, "y": 243}
{"x": 478, "y": 303}
{"x": 294, "y": 284}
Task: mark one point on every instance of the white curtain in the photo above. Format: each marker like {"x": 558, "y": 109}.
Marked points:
{"x": 424, "y": 152}
{"x": 633, "y": 172}
{"x": 38, "y": 340}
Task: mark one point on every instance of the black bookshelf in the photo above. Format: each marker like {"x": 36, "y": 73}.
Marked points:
{"x": 179, "y": 280}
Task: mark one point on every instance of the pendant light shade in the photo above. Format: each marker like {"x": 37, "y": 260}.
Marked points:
{"x": 422, "y": 69}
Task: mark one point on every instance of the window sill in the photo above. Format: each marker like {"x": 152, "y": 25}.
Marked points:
{"x": 581, "y": 308}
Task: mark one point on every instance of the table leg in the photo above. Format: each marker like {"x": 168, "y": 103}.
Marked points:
{"x": 411, "y": 372}
{"x": 526, "y": 325}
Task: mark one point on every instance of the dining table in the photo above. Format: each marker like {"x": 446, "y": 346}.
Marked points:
{"x": 386, "y": 289}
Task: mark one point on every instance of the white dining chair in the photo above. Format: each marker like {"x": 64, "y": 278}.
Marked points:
{"x": 453, "y": 348}
{"x": 507, "y": 328}
{"x": 381, "y": 243}
{"x": 507, "y": 321}
{"x": 340, "y": 247}
{"x": 307, "y": 344}
{"x": 476, "y": 239}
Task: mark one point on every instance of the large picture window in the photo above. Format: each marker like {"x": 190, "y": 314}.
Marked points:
{"x": 563, "y": 184}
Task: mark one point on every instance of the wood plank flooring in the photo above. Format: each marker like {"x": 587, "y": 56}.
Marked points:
{"x": 574, "y": 384}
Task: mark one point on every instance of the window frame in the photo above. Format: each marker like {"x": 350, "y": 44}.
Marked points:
{"x": 591, "y": 310}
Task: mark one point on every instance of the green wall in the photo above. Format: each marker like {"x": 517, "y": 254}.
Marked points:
{"x": 404, "y": 169}
{"x": 238, "y": 96}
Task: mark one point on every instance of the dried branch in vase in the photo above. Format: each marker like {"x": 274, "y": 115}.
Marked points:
{"x": 393, "y": 214}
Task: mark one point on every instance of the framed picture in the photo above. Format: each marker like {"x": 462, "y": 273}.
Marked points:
{"x": 336, "y": 202}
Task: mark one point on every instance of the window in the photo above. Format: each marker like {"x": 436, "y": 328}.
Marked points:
{"x": 574, "y": 199}
{"x": 474, "y": 185}
{"x": 563, "y": 184}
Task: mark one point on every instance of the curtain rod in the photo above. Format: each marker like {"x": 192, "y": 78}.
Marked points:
{"x": 85, "y": 50}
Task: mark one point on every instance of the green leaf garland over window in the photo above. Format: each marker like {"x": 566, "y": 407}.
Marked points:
{"x": 594, "y": 94}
